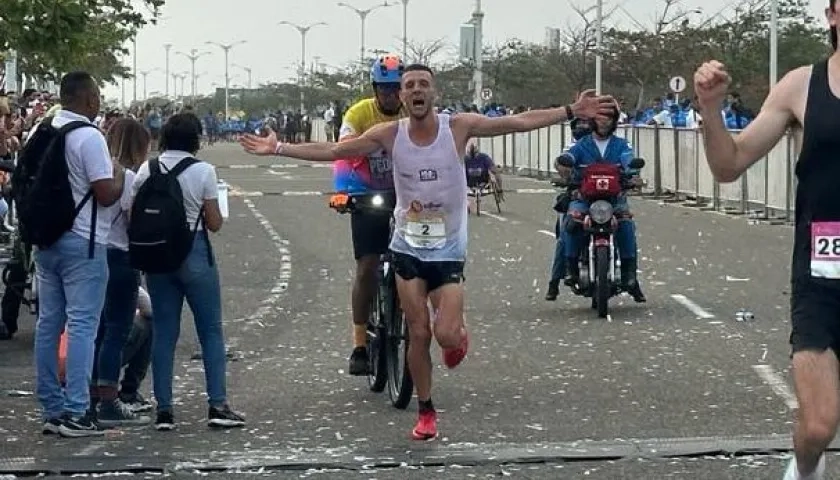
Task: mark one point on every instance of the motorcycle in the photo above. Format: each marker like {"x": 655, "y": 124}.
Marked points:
{"x": 600, "y": 273}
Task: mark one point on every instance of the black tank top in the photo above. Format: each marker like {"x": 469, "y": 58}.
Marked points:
{"x": 817, "y": 170}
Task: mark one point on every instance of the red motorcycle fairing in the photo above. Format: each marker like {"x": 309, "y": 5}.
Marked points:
{"x": 601, "y": 181}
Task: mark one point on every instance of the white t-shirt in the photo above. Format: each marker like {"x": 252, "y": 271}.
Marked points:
{"x": 198, "y": 183}
{"x": 602, "y": 144}
{"x": 118, "y": 237}
{"x": 88, "y": 161}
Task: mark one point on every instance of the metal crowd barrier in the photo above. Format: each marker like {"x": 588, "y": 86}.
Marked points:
{"x": 676, "y": 168}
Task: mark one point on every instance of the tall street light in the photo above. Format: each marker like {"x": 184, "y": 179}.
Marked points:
{"x": 145, "y": 74}
{"x": 478, "y": 72}
{"x": 193, "y": 56}
{"x": 167, "y": 47}
{"x": 134, "y": 68}
{"x": 303, "y": 30}
{"x": 226, "y": 48}
{"x": 599, "y": 33}
{"x": 249, "y": 71}
{"x": 774, "y": 42}
{"x": 405, "y": 29}
{"x": 363, "y": 14}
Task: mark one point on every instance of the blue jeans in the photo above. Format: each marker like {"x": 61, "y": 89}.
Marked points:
{"x": 197, "y": 281}
{"x": 625, "y": 235}
{"x": 117, "y": 318}
{"x": 72, "y": 291}
{"x": 558, "y": 265}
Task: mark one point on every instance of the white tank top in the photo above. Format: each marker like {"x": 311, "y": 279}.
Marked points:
{"x": 431, "y": 188}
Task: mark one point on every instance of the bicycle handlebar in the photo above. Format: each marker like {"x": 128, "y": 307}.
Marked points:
{"x": 378, "y": 202}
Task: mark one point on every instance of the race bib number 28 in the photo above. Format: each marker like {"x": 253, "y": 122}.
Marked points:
{"x": 825, "y": 250}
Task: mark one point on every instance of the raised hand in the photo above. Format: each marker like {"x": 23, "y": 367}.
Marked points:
{"x": 590, "y": 105}
{"x": 257, "y": 145}
{"x": 711, "y": 82}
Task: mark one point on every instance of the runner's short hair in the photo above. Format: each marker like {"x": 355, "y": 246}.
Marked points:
{"x": 832, "y": 33}
{"x": 418, "y": 67}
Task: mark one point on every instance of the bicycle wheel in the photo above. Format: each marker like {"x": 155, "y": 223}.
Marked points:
{"x": 401, "y": 386}
{"x": 377, "y": 334}
{"x": 497, "y": 196}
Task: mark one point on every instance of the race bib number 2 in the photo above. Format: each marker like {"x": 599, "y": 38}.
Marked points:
{"x": 825, "y": 250}
{"x": 425, "y": 232}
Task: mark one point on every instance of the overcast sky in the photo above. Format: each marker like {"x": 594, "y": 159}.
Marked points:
{"x": 272, "y": 51}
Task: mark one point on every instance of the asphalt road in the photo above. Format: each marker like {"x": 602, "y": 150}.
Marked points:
{"x": 544, "y": 383}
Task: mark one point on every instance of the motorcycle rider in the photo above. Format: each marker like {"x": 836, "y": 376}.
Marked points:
{"x": 602, "y": 146}
{"x": 580, "y": 129}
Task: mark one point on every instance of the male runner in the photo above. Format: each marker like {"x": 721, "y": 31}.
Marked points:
{"x": 806, "y": 97}
{"x": 430, "y": 238}
{"x": 358, "y": 174}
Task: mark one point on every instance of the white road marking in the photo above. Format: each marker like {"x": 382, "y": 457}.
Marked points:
{"x": 693, "y": 307}
{"x": 497, "y": 217}
{"x": 777, "y": 384}
{"x": 296, "y": 193}
{"x": 532, "y": 190}
{"x": 90, "y": 449}
{"x": 546, "y": 232}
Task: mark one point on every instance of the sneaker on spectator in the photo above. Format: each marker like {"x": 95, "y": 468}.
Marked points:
{"x": 136, "y": 403}
{"x": 114, "y": 413}
{"x": 78, "y": 427}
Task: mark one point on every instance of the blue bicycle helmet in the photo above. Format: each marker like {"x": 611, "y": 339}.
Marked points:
{"x": 387, "y": 69}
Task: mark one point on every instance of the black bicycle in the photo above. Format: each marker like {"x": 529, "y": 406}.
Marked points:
{"x": 387, "y": 332}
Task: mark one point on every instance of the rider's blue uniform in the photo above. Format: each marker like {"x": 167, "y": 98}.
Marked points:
{"x": 586, "y": 152}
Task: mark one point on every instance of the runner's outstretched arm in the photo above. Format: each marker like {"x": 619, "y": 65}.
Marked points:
{"x": 587, "y": 106}
{"x": 730, "y": 156}
{"x": 367, "y": 143}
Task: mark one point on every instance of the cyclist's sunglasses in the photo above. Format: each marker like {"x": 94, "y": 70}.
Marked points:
{"x": 388, "y": 88}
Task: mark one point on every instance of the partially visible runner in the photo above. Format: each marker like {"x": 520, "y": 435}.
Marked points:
{"x": 430, "y": 237}
{"x": 358, "y": 174}
{"x": 809, "y": 99}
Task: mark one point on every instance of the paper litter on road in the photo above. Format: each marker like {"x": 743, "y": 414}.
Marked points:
{"x": 730, "y": 278}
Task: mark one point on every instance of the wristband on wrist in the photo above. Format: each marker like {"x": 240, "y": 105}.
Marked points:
{"x": 279, "y": 148}
{"x": 569, "y": 114}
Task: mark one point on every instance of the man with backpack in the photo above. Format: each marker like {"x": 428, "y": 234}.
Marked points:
{"x": 64, "y": 180}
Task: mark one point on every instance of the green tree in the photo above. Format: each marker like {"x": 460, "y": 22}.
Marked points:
{"x": 56, "y": 36}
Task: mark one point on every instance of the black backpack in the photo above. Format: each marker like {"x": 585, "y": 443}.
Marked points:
{"x": 41, "y": 187}
{"x": 159, "y": 238}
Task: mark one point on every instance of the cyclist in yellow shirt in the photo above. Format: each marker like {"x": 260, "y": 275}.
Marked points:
{"x": 371, "y": 233}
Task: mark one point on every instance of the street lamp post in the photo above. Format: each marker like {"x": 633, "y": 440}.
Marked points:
{"x": 193, "y": 56}
{"x": 303, "y": 30}
{"x": 363, "y": 14}
{"x": 249, "y": 71}
{"x": 405, "y": 29}
{"x": 478, "y": 73}
{"x": 774, "y": 42}
{"x": 134, "y": 68}
{"x": 145, "y": 74}
{"x": 167, "y": 47}
{"x": 226, "y": 48}
{"x": 599, "y": 32}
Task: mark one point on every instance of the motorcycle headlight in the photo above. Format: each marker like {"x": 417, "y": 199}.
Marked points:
{"x": 601, "y": 211}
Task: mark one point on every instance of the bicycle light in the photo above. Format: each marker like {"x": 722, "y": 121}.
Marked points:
{"x": 377, "y": 201}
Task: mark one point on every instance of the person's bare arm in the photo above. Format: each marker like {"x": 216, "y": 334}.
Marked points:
{"x": 729, "y": 157}
{"x": 588, "y": 105}
{"x": 482, "y": 126}
{"x": 367, "y": 143}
